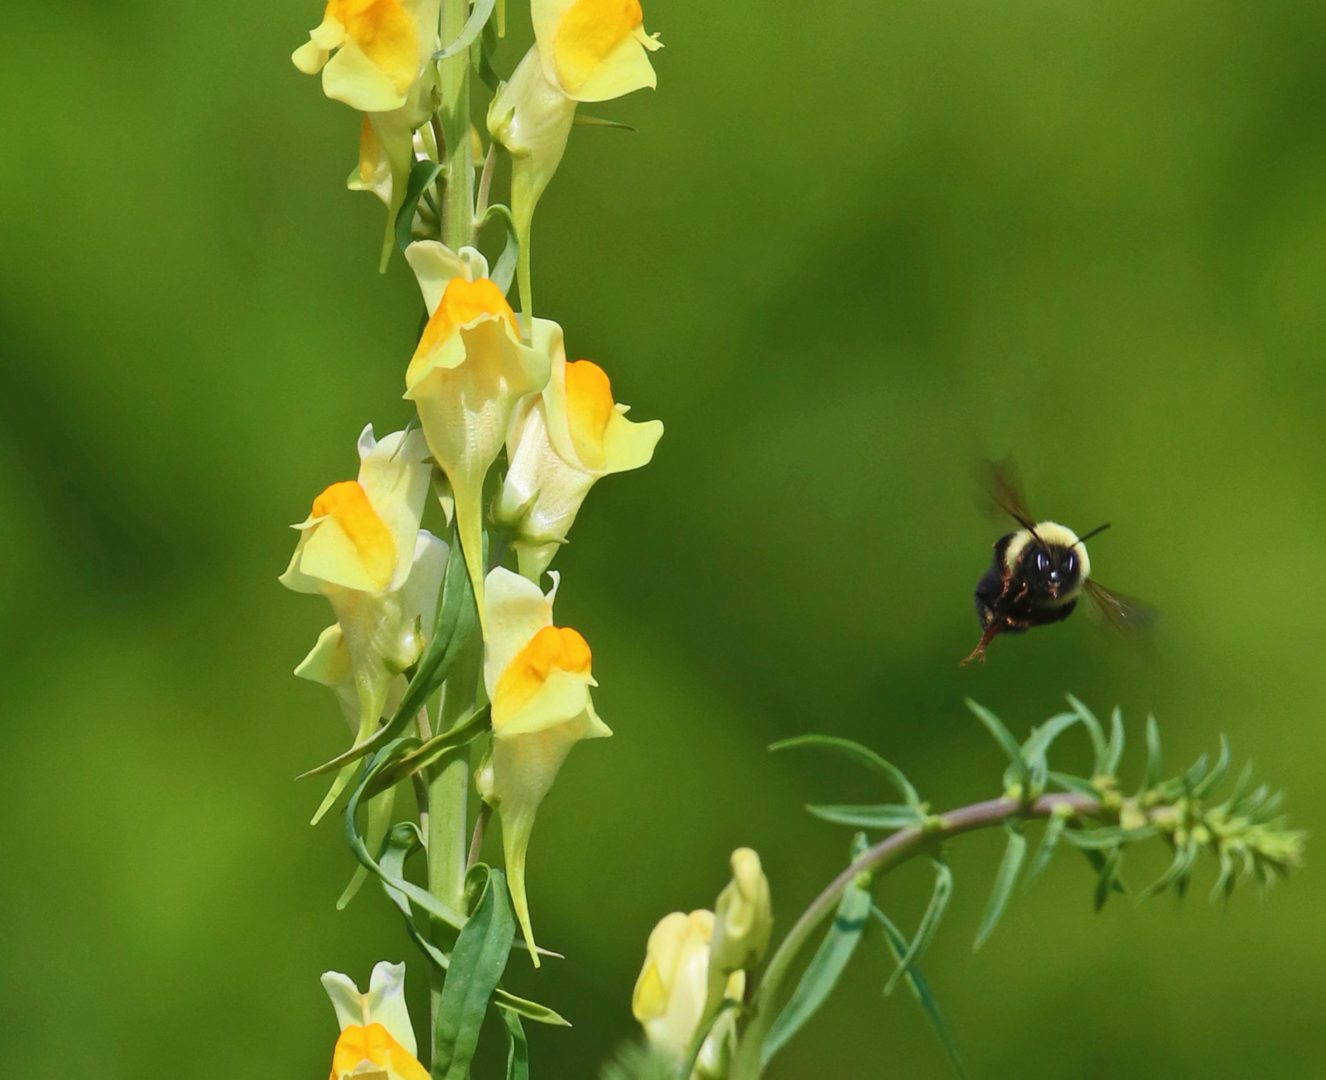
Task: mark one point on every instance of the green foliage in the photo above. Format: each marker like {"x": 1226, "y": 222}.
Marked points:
{"x": 1244, "y": 832}
{"x": 825, "y": 967}
{"x": 638, "y": 1061}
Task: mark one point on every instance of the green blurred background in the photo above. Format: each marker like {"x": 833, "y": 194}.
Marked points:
{"x": 852, "y": 249}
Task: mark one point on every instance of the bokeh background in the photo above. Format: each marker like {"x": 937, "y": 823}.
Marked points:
{"x": 851, "y": 249}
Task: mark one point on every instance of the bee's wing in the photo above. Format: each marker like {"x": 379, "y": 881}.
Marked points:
{"x": 1123, "y": 613}
{"x": 1004, "y": 487}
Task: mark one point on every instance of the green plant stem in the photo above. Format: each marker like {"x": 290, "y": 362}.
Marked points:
{"x": 454, "y": 114}
{"x": 883, "y": 857}
{"x": 448, "y": 785}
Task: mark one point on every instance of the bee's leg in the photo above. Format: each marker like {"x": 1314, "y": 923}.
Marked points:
{"x": 978, "y": 653}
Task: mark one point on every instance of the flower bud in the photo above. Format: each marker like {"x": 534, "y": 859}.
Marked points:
{"x": 670, "y": 994}
{"x": 743, "y": 918}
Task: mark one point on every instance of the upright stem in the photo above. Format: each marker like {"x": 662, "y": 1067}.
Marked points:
{"x": 448, "y": 786}
{"x": 881, "y": 858}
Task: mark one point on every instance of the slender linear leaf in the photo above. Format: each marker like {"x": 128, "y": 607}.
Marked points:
{"x": 1114, "y": 752}
{"x": 1096, "y": 860}
{"x": 422, "y": 175}
{"x": 1107, "y": 836}
{"x": 1175, "y": 875}
{"x": 469, "y": 33}
{"x": 453, "y": 628}
{"x": 1014, "y": 852}
{"x": 1049, "y": 841}
{"x": 863, "y": 755}
{"x": 1218, "y": 771}
{"x": 1092, "y": 725}
{"x": 582, "y": 120}
{"x": 1153, "y": 761}
{"x": 1074, "y": 784}
{"x": 404, "y": 840}
{"x": 422, "y": 898}
{"x": 925, "y": 931}
{"x": 1035, "y": 751}
{"x": 1018, "y": 771}
{"x": 477, "y": 963}
{"x": 881, "y": 816}
{"x": 823, "y": 971}
{"x": 517, "y": 1056}
{"x": 702, "y": 1034}
{"x": 427, "y": 754}
{"x": 921, "y": 991}
{"x": 1108, "y": 877}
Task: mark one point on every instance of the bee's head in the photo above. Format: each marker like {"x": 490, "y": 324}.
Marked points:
{"x": 1055, "y": 569}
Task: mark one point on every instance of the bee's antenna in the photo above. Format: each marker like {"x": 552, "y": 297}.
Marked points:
{"x": 1093, "y": 532}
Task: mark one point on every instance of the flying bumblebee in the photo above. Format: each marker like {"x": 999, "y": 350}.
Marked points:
{"x": 1039, "y": 572}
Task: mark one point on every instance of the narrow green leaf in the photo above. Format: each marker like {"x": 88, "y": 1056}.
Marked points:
{"x": 921, "y": 991}
{"x": 881, "y": 816}
{"x": 823, "y": 971}
{"x": 477, "y": 963}
{"x": 1092, "y": 725}
{"x": 1014, "y": 852}
{"x": 422, "y": 174}
{"x": 1097, "y": 861}
{"x": 1108, "y": 878}
{"x": 1018, "y": 770}
{"x": 1114, "y": 752}
{"x": 1107, "y": 836}
{"x": 1075, "y": 784}
{"x": 582, "y": 120}
{"x": 427, "y": 754}
{"x": 702, "y": 1033}
{"x": 1242, "y": 788}
{"x": 1213, "y": 779}
{"x": 455, "y": 624}
{"x": 925, "y": 932}
{"x": 1035, "y": 751}
{"x": 421, "y": 898}
{"x": 1049, "y": 841}
{"x": 469, "y": 33}
{"x": 1152, "y": 777}
{"x": 517, "y": 1057}
{"x": 1176, "y": 874}
{"x": 863, "y": 755}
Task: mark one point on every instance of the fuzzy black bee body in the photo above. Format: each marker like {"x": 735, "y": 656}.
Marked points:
{"x": 1039, "y": 573}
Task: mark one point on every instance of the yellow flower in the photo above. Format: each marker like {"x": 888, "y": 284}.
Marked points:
{"x": 584, "y": 50}
{"x": 375, "y": 1027}
{"x": 670, "y": 994}
{"x": 363, "y": 549}
{"x": 560, "y": 443}
{"x": 382, "y": 66}
{"x": 593, "y": 50}
{"x": 538, "y": 677}
{"x": 466, "y": 378}
{"x": 382, "y": 50}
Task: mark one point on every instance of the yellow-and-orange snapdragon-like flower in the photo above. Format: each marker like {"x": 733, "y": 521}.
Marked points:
{"x": 377, "y": 1039}
{"x": 376, "y": 56}
{"x": 362, "y": 547}
{"x": 559, "y": 444}
{"x": 537, "y": 676}
{"x": 466, "y": 378}
{"x": 670, "y": 993}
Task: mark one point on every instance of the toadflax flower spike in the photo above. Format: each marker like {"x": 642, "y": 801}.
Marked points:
{"x": 561, "y": 443}
{"x": 377, "y": 1039}
{"x": 538, "y": 677}
{"x": 467, "y": 376}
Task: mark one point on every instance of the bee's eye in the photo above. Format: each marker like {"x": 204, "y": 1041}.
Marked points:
{"x": 1042, "y": 562}
{"x": 1070, "y": 564}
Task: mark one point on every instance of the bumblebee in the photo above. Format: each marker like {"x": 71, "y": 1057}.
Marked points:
{"x": 1039, "y": 573}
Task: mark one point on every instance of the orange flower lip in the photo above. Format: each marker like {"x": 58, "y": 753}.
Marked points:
{"x": 386, "y": 34}
{"x": 589, "y": 407}
{"x": 588, "y": 32}
{"x": 347, "y": 504}
{"x": 552, "y": 648}
{"x": 373, "y": 1043}
{"x": 463, "y": 302}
